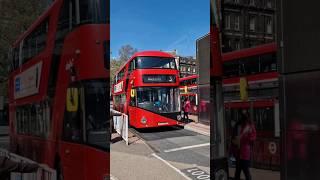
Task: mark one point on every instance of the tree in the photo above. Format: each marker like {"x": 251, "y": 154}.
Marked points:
{"x": 125, "y": 52}
{"x": 15, "y": 17}
{"x": 114, "y": 67}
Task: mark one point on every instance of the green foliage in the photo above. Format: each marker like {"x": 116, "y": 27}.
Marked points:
{"x": 125, "y": 52}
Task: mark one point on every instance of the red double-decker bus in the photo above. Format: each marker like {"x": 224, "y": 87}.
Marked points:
{"x": 58, "y": 93}
{"x": 147, "y": 89}
{"x": 189, "y": 89}
{"x": 258, "y": 66}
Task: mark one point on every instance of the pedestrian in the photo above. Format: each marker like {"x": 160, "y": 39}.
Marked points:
{"x": 186, "y": 107}
{"x": 8, "y": 166}
{"x": 244, "y": 141}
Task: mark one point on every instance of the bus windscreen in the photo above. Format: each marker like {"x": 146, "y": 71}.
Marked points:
{"x": 159, "y": 99}
{"x": 156, "y": 63}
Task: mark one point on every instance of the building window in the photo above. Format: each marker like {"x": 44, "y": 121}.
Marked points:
{"x": 269, "y": 4}
{"x": 237, "y": 1}
{"x": 252, "y": 2}
{"x": 252, "y": 23}
{"x": 227, "y": 22}
{"x": 237, "y": 23}
{"x": 237, "y": 45}
{"x": 269, "y": 25}
{"x": 229, "y": 43}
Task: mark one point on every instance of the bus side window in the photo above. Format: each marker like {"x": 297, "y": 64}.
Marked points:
{"x": 132, "y": 66}
{"x": 72, "y": 127}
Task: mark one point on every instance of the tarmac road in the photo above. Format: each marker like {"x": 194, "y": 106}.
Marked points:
{"x": 181, "y": 148}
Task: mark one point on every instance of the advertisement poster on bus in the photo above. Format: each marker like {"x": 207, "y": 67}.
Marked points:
{"x": 27, "y": 82}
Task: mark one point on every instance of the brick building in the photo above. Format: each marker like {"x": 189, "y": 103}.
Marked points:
{"x": 187, "y": 66}
{"x": 247, "y": 23}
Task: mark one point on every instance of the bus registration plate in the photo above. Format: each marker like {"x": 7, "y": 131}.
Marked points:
{"x": 162, "y": 123}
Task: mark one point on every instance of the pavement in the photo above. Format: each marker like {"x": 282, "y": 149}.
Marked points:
{"x": 258, "y": 174}
{"x": 138, "y": 162}
{"x": 198, "y": 127}
{"x": 195, "y": 126}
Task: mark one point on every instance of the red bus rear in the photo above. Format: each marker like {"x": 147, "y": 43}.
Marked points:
{"x": 258, "y": 66}
{"x": 58, "y": 90}
{"x": 189, "y": 89}
{"x": 147, "y": 89}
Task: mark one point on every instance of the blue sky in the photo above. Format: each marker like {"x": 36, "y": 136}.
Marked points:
{"x": 159, "y": 24}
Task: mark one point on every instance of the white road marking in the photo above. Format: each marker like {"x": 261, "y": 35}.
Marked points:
{"x": 174, "y": 168}
{"x": 112, "y": 177}
{"x": 187, "y": 147}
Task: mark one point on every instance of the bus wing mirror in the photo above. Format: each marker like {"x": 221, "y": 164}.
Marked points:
{"x": 72, "y": 101}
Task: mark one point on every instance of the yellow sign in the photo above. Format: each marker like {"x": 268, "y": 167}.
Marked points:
{"x": 72, "y": 100}
{"x": 243, "y": 89}
{"x": 132, "y": 93}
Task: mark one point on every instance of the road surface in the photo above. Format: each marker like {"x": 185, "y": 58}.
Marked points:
{"x": 187, "y": 151}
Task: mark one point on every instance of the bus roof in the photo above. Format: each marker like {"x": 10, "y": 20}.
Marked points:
{"x": 146, "y": 54}
{"x": 257, "y": 50}
{"x": 152, "y": 54}
{"x": 189, "y": 77}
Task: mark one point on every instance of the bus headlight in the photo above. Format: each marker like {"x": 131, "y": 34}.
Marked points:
{"x": 143, "y": 120}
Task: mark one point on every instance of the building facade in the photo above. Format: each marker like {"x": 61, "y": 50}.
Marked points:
{"x": 247, "y": 23}
{"x": 187, "y": 66}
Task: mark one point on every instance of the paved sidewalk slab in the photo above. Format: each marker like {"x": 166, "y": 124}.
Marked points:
{"x": 135, "y": 162}
{"x": 198, "y": 127}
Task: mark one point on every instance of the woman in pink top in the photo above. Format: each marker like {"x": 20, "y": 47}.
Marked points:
{"x": 246, "y": 137}
{"x": 186, "y": 107}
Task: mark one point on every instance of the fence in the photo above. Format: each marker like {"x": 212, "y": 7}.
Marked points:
{"x": 43, "y": 173}
{"x": 120, "y": 124}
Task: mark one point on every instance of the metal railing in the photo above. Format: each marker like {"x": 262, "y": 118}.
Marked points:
{"x": 120, "y": 124}
{"x": 44, "y": 172}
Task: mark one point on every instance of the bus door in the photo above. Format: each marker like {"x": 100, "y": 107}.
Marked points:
{"x": 71, "y": 153}
{"x": 85, "y": 148}
{"x": 96, "y": 126}
{"x": 132, "y": 105}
